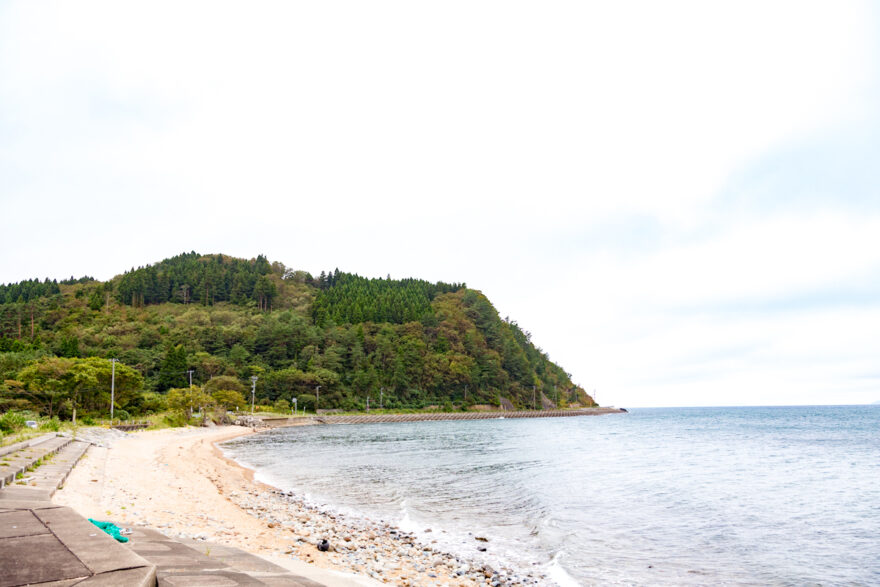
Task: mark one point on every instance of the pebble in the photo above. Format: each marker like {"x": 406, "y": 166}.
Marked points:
{"x": 377, "y": 549}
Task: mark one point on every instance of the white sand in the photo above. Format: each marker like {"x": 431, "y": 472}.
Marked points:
{"x": 175, "y": 480}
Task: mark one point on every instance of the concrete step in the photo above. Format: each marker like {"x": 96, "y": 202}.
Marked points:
{"x": 22, "y": 459}
{"x": 195, "y": 563}
{"x": 45, "y": 544}
{"x": 41, "y": 483}
{"x": 52, "y": 545}
{"x": 5, "y": 450}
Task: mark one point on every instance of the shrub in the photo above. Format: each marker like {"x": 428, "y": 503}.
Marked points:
{"x": 121, "y": 415}
{"x": 54, "y": 424}
{"x": 189, "y": 399}
{"x": 153, "y": 402}
{"x": 87, "y": 421}
{"x": 306, "y": 402}
{"x": 229, "y": 399}
{"x": 175, "y": 419}
{"x": 12, "y": 421}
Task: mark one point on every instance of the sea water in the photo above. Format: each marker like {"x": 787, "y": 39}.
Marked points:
{"x": 685, "y": 496}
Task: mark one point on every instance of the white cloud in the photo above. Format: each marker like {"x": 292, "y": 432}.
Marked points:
{"x": 778, "y": 311}
{"x": 500, "y": 143}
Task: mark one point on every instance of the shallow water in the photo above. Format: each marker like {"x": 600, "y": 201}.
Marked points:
{"x": 780, "y": 496}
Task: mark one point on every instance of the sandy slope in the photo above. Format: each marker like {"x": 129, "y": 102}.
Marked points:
{"x": 176, "y": 480}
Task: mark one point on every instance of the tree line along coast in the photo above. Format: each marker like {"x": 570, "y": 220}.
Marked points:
{"x": 204, "y": 331}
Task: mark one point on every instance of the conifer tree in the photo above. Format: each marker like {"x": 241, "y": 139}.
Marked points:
{"x": 172, "y": 372}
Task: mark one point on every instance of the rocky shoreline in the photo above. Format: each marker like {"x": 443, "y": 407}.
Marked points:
{"x": 178, "y": 482}
{"x": 376, "y": 549}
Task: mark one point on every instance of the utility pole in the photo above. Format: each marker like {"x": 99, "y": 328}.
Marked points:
{"x": 294, "y": 407}
{"x": 253, "y": 391}
{"x": 191, "y": 371}
{"x": 112, "y": 387}
{"x": 368, "y": 403}
{"x": 317, "y": 397}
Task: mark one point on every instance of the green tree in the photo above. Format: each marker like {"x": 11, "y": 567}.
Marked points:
{"x": 172, "y": 372}
{"x": 209, "y": 366}
{"x": 224, "y": 382}
{"x": 46, "y": 384}
{"x": 96, "y": 300}
{"x": 228, "y": 392}
{"x": 306, "y": 402}
{"x": 127, "y": 382}
{"x": 61, "y": 378}
{"x": 68, "y": 347}
{"x": 188, "y": 399}
{"x": 229, "y": 399}
{"x": 86, "y": 383}
{"x": 151, "y": 402}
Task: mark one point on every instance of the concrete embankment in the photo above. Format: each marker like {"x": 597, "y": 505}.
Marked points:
{"x": 433, "y": 416}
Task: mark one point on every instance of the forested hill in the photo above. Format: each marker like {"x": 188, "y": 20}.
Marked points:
{"x": 418, "y": 343}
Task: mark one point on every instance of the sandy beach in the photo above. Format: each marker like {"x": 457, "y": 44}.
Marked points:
{"x": 178, "y": 481}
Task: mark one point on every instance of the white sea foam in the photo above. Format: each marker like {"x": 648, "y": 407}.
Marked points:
{"x": 559, "y": 575}
{"x": 406, "y": 523}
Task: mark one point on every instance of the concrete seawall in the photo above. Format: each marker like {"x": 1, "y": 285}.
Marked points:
{"x": 434, "y": 416}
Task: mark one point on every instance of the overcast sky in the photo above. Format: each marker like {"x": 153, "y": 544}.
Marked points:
{"x": 680, "y": 200}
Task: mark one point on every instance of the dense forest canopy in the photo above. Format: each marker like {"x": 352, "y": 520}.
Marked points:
{"x": 25, "y": 291}
{"x": 335, "y": 339}
{"x": 193, "y": 278}
{"x": 346, "y": 298}
{"x": 31, "y": 289}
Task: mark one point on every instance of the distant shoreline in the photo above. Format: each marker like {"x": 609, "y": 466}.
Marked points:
{"x": 433, "y": 416}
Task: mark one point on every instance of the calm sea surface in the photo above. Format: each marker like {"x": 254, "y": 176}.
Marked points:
{"x": 764, "y": 496}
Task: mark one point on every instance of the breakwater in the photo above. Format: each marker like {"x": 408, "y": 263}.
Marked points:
{"x": 435, "y": 416}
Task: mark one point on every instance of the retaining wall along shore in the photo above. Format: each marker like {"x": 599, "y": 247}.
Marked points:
{"x": 376, "y": 418}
